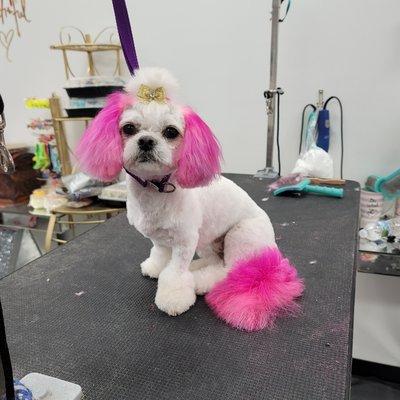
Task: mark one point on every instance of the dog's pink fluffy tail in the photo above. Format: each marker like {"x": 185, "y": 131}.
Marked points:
{"x": 256, "y": 291}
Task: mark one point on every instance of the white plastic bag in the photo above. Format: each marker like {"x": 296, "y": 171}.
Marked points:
{"x": 78, "y": 181}
{"x": 315, "y": 162}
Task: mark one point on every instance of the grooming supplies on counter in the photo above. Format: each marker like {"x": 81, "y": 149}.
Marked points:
{"x": 305, "y": 187}
{"x": 80, "y": 203}
{"x": 314, "y": 162}
{"x": 96, "y": 102}
{"x": 87, "y": 112}
{"x": 371, "y": 204}
{"x": 46, "y": 158}
{"x": 327, "y": 181}
{"x": 39, "y": 126}
{"x": 80, "y": 186}
{"x": 323, "y": 129}
{"x": 286, "y": 180}
{"x": 116, "y": 192}
{"x": 41, "y": 158}
{"x": 381, "y": 236}
{"x": 52, "y": 200}
{"x": 314, "y": 147}
{"x": 36, "y": 199}
{"x": 88, "y": 94}
{"x": 388, "y": 185}
{"x": 292, "y": 179}
{"x": 80, "y": 180}
{"x": 381, "y": 229}
{"x": 93, "y": 86}
{"x": 47, "y": 198}
{"x": 85, "y": 107}
{"x": 35, "y": 102}
{"x": 379, "y": 189}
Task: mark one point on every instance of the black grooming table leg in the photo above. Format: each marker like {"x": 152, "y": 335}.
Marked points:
{"x": 85, "y": 314}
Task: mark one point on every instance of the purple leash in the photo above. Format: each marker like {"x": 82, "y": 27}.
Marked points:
{"x": 128, "y": 47}
{"x": 125, "y": 34}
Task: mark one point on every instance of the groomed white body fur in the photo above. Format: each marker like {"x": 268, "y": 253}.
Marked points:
{"x": 191, "y": 220}
{"x": 219, "y": 221}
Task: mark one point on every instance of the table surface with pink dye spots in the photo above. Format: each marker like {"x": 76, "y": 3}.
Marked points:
{"x": 85, "y": 314}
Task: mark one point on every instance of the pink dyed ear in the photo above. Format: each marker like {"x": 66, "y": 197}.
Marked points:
{"x": 200, "y": 153}
{"x": 100, "y": 149}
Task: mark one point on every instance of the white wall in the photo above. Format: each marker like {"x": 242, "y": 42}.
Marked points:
{"x": 377, "y": 319}
{"x": 220, "y": 51}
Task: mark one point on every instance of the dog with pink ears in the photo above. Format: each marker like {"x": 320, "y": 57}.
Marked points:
{"x": 177, "y": 199}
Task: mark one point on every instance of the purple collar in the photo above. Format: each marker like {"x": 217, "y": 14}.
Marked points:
{"x": 162, "y": 186}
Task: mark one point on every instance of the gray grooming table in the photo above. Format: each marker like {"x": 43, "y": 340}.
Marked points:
{"x": 85, "y": 314}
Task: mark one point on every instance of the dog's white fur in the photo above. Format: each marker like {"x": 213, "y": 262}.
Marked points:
{"x": 219, "y": 222}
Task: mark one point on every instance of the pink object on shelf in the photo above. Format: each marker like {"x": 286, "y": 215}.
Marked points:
{"x": 291, "y": 179}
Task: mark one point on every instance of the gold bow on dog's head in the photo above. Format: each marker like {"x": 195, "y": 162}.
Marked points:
{"x": 147, "y": 94}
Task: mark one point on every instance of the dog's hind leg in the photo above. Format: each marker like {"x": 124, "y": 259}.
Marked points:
{"x": 209, "y": 268}
{"x": 205, "y": 278}
{"x": 206, "y": 257}
{"x": 248, "y": 236}
{"x": 261, "y": 283}
{"x": 200, "y": 263}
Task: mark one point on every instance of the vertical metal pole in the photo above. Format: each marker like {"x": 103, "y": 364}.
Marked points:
{"x": 272, "y": 82}
{"x": 270, "y": 94}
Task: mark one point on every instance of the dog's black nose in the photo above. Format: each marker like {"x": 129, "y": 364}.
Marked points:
{"x": 146, "y": 143}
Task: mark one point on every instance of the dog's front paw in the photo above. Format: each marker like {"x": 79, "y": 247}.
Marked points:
{"x": 175, "y": 292}
{"x": 151, "y": 268}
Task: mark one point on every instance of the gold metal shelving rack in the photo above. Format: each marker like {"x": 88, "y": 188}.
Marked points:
{"x": 89, "y": 47}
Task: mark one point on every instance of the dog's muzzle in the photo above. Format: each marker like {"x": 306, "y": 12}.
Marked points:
{"x": 146, "y": 143}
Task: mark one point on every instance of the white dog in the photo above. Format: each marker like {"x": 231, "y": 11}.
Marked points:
{"x": 177, "y": 198}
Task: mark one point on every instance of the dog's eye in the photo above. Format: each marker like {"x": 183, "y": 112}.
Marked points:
{"x": 129, "y": 129}
{"x": 170, "y": 132}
